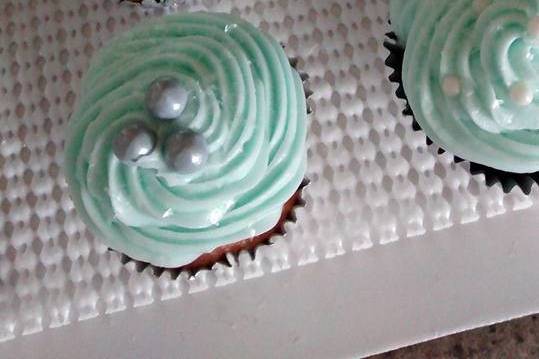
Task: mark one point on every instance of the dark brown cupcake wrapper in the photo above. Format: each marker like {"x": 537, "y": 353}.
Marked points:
{"x": 507, "y": 180}
{"x": 251, "y": 244}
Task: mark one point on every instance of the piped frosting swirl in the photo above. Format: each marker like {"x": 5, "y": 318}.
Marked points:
{"x": 471, "y": 76}
{"x": 243, "y": 97}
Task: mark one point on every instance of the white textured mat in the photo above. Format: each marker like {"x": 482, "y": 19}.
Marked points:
{"x": 374, "y": 180}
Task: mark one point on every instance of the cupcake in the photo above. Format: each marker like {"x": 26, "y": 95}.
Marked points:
{"x": 188, "y": 141}
{"x": 471, "y": 79}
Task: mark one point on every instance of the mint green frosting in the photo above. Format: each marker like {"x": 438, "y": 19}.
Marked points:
{"x": 402, "y": 14}
{"x": 244, "y": 98}
{"x": 471, "y": 76}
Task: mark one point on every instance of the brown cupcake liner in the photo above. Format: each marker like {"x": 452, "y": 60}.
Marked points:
{"x": 507, "y": 180}
{"x": 220, "y": 254}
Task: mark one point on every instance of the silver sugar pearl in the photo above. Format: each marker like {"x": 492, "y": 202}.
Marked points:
{"x": 166, "y": 98}
{"x": 133, "y": 142}
{"x": 186, "y": 152}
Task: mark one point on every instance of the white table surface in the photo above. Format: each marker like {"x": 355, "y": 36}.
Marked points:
{"x": 357, "y": 304}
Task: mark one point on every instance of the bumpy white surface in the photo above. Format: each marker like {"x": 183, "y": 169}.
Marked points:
{"x": 374, "y": 180}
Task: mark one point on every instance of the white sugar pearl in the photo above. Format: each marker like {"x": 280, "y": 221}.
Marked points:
{"x": 451, "y": 85}
{"x": 533, "y": 27}
{"x": 521, "y": 94}
{"x": 480, "y": 5}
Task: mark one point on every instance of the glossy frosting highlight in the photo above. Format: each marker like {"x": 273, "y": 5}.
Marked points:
{"x": 243, "y": 97}
{"x": 471, "y": 76}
